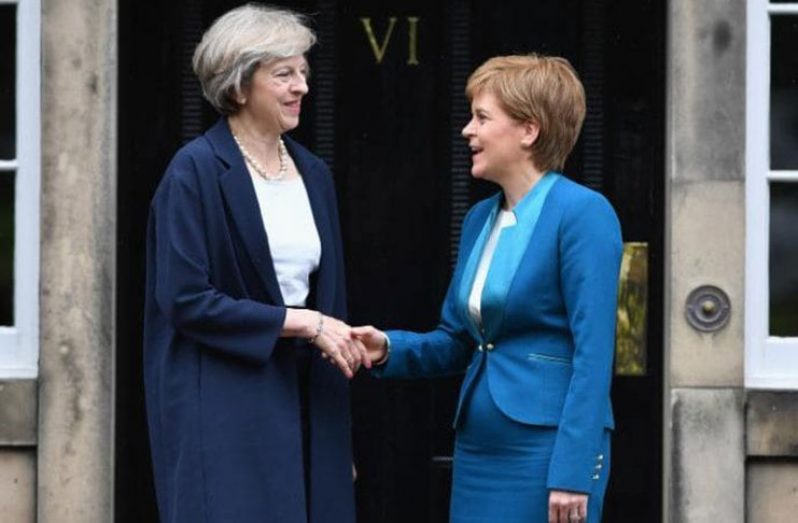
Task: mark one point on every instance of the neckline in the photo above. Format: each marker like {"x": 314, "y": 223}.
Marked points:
{"x": 274, "y": 183}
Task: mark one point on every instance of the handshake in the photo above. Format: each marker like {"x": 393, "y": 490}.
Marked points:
{"x": 344, "y": 346}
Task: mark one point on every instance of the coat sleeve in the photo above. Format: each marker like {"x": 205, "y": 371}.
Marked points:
{"x": 183, "y": 289}
{"x": 444, "y": 351}
{"x": 590, "y": 256}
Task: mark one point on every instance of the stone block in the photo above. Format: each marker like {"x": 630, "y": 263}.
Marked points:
{"x": 772, "y": 491}
{"x": 707, "y": 456}
{"x": 18, "y": 400}
{"x": 707, "y": 247}
{"x": 706, "y": 89}
{"x": 771, "y": 423}
{"x": 17, "y": 485}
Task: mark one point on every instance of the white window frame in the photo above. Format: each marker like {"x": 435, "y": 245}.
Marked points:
{"x": 771, "y": 362}
{"x": 19, "y": 344}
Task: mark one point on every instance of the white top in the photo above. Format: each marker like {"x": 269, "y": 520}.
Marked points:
{"x": 504, "y": 219}
{"x": 293, "y": 239}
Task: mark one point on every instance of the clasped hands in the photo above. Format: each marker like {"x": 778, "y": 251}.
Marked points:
{"x": 346, "y": 347}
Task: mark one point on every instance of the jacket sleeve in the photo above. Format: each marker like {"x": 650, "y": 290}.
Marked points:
{"x": 590, "y": 255}
{"x": 447, "y": 350}
{"x": 182, "y": 287}
{"x": 441, "y": 352}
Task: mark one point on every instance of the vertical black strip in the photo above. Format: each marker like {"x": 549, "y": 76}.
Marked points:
{"x": 593, "y": 79}
{"x": 191, "y": 93}
{"x": 460, "y": 52}
{"x": 324, "y": 75}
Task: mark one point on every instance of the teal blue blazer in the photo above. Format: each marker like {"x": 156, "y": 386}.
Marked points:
{"x": 547, "y": 337}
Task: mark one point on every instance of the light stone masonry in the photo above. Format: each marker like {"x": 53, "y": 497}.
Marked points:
{"x": 708, "y": 476}
{"x": 17, "y": 485}
{"x": 75, "y": 474}
{"x": 704, "y": 469}
{"x": 708, "y": 242}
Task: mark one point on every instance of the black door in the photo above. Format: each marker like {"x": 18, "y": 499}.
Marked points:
{"x": 385, "y": 110}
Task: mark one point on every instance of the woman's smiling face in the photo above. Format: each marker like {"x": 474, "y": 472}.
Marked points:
{"x": 495, "y": 139}
{"x": 275, "y": 92}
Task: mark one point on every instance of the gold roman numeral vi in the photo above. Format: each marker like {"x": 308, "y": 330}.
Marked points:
{"x": 379, "y": 48}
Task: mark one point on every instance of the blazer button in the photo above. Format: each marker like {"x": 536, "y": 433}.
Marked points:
{"x": 479, "y": 347}
{"x": 600, "y": 457}
{"x": 595, "y": 477}
{"x": 489, "y": 346}
{"x": 598, "y": 467}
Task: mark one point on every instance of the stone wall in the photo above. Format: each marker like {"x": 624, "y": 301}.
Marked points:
{"x": 731, "y": 453}
{"x": 76, "y": 417}
{"x": 705, "y": 245}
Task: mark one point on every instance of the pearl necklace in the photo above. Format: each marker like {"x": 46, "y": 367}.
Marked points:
{"x": 282, "y": 153}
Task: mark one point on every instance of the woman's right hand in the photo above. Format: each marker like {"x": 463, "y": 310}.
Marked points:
{"x": 331, "y": 336}
{"x": 375, "y": 341}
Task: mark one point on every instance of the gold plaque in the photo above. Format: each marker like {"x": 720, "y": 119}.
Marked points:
{"x": 631, "y": 326}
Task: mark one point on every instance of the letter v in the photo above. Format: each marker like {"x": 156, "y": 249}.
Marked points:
{"x": 379, "y": 50}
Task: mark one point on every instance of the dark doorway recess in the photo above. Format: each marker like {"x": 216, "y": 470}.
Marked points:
{"x": 386, "y": 114}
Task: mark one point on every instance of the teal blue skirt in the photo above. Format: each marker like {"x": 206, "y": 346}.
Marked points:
{"x": 501, "y": 467}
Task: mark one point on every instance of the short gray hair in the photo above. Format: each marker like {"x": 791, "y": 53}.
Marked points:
{"x": 238, "y": 42}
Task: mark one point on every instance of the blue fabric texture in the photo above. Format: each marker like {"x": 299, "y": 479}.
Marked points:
{"x": 545, "y": 351}
{"x": 221, "y": 385}
{"x": 512, "y": 244}
{"x": 500, "y": 466}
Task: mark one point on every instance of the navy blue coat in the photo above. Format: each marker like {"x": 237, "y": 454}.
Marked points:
{"x": 221, "y": 385}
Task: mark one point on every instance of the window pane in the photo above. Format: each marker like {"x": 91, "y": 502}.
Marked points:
{"x": 784, "y": 93}
{"x": 783, "y": 259}
{"x": 8, "y": 77}
{"x": 6, "y": 248}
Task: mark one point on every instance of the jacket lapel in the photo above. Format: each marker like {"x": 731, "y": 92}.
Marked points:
{"x": 322, "y": 215}
{"x": 242, "y": 204}
{"x": 484, "y": 223}
{"x": 513, "y": 244}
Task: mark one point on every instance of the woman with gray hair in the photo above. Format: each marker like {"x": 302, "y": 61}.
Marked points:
{"x": 245, "y": 298}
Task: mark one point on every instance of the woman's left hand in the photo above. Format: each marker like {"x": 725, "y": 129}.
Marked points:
{"x": 567, "y": 507}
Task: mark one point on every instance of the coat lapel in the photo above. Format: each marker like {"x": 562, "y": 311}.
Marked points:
{"x": 322, "y": 215}
{"x": 242, "y": 204}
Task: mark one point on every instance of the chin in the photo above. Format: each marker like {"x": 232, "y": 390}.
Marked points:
{"x": 290, "y": 125}
{"x": 479, "y": 174}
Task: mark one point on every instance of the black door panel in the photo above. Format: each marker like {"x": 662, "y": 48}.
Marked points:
{"x": 385, "y": 110}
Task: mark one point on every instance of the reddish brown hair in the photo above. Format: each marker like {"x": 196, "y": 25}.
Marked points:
{"x": 541, "y": 89}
